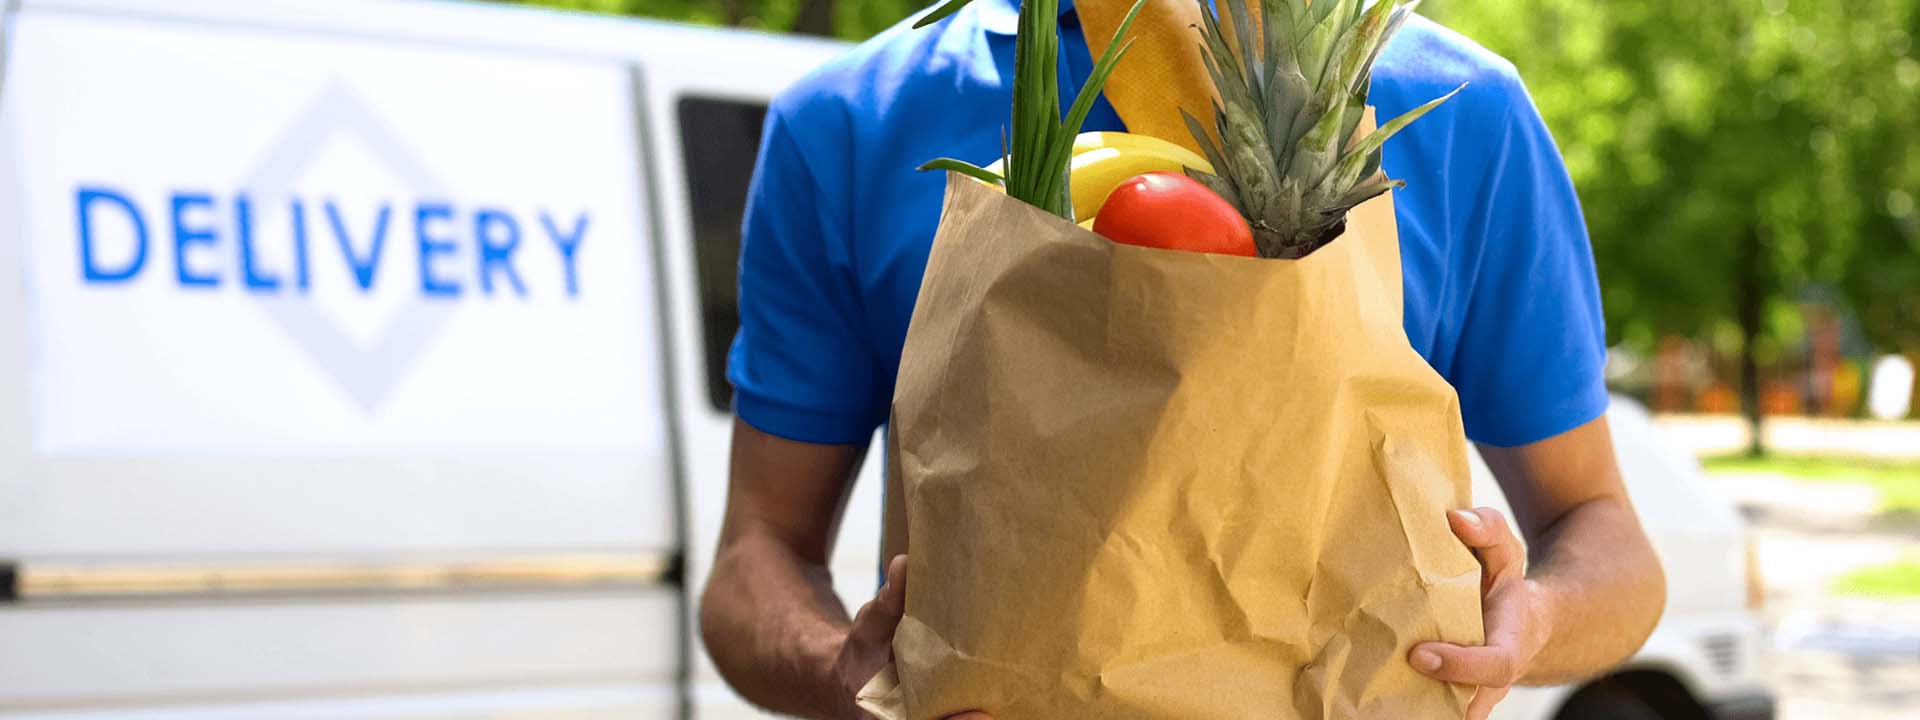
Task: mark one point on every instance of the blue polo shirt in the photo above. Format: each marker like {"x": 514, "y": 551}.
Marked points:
{"x": 1501, "y": 297}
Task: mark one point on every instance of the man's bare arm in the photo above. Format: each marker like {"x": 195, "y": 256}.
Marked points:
{"x": 769, "y": 616}
{"x": 1600, "y": 586}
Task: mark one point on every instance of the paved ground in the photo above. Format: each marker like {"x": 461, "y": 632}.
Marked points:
{"x": 1835, "y": 658}
{"x": 1849, "y": 661}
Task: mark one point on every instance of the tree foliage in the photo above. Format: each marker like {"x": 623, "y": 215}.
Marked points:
{"x": 1699, "y": 131}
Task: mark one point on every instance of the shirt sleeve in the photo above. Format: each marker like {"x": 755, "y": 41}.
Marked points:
{"x": 1532, "y": 345}
{"x": 801, "y": 366}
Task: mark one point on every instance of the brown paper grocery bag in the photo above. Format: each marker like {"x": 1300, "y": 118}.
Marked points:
{"x": 1142, "y": 483}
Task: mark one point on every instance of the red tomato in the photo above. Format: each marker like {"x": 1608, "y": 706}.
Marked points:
{"x": 1174, "y": 212}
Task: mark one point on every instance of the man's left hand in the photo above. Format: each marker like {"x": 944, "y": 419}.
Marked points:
{"x": 1514, "y": 611}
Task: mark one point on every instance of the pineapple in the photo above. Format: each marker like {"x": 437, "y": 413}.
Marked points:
{"x": 1291, "y": 95}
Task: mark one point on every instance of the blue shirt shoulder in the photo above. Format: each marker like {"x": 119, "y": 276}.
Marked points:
{"x": 838, "y": 222}
{"x": 1500, "y": 295}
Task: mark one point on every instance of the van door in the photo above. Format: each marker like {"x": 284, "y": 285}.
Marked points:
{"x": 710, "y": 123}
{"x": 331, "y": 370}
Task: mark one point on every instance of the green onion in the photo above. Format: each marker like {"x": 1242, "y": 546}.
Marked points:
{"x": 1036, "y": 163}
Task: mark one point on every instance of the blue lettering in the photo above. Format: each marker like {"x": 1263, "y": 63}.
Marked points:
{"x": 363, "y": 268}
{"x": 497, "y": 251}
{"x": 198, "y": 222}
{"x": 85, "y": 198}
{"x": 301, "y": 277}
{"x": 431, "y": 247}
{"x": 569, "y": 244}
{"x": 243, "y": 237}
{"x": 184, "y": 236}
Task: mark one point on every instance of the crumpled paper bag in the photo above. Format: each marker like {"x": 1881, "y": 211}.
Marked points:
{"x": 1142, "y": 483}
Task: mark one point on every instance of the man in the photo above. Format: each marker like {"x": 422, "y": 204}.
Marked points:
{"x": 1500, "y": 298}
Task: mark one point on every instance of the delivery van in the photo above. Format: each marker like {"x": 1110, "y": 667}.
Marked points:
{"x": 366, "y": 360}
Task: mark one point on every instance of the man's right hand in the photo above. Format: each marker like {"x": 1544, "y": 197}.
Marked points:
{"x": 869, "y": 644}
{"x": 769, "y": 617}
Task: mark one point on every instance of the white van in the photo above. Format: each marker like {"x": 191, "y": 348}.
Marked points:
{"x": 365, "y": 360}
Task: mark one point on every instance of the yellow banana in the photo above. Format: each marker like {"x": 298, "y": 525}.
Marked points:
{"x": 1138, "y": 143}
{"x": 1130, "y": 142}
{"x": 1103, "y": 160}
{"x": 1095, "y": 173}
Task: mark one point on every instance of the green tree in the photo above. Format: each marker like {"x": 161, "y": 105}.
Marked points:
{"x": 846, "y": 19}
{"x": 1727, "y": 153}
{"x": 1882, "y": 277}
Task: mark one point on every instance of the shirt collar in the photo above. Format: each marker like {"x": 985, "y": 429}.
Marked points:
{"x": 1002, "y": 17}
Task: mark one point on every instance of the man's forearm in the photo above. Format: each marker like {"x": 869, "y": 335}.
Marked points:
{"x": 772, "y": 623}
{"x": 1601, "y": 588}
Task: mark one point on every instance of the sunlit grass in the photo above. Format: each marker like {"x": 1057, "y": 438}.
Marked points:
{"x": 1901, "y": 578}
{"x": 1897, "y": 482}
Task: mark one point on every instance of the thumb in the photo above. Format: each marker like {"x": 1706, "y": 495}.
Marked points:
{"x": 893, "y": 592}
{"x": 876, "y": 620}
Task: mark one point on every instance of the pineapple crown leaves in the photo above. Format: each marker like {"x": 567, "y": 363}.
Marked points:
{"x": 1037, "y": 160}
{"x": 1292, "y": 94}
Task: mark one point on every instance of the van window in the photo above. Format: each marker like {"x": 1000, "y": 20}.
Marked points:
{"x": 719, "y": 140}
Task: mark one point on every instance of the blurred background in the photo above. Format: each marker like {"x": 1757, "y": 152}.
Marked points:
{"x": 487, "y": 538}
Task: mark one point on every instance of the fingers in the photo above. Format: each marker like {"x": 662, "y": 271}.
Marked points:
{"x": 887, "y": 608}
{"x": 1483, "y": 701}
{"x": 1490, "y": 666}
{"x": 1485, "y": 530}
{"x": 1495, "y": 667}
{"x": 873, "y": 625}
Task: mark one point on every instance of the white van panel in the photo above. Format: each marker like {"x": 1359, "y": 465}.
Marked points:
{"x": 364, "y": 426}
{"x": 147, "y": 412}
{"x": 591, "y": 702}
{"x": 64, "y": 657}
